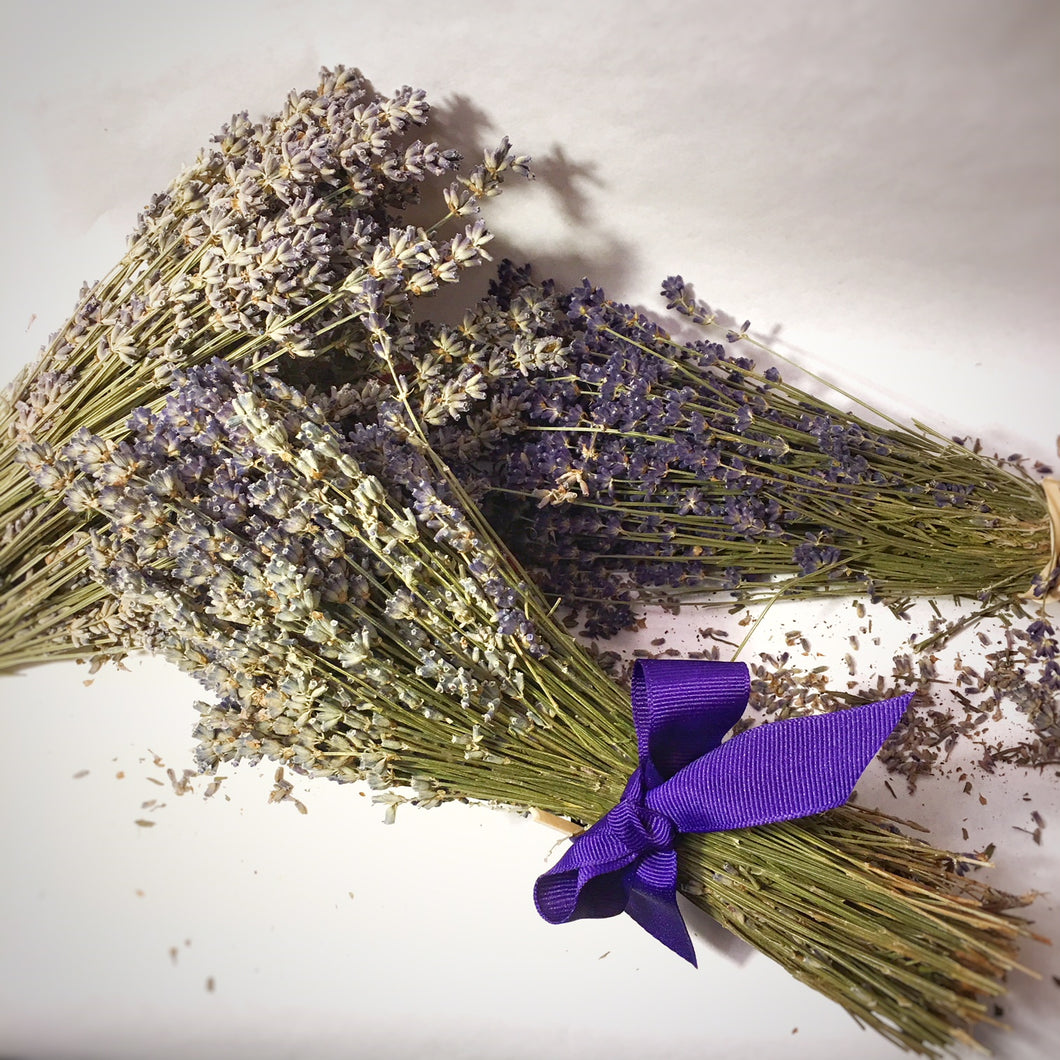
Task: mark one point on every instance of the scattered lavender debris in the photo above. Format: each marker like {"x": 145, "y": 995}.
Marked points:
{"x": 282, "y": 792}
{"x": 958, "y": 706}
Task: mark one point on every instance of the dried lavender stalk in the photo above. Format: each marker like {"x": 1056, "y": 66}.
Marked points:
{"x": 285, "y": 238}
{"x": 357, "y": 619}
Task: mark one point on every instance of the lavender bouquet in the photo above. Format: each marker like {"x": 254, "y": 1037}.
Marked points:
{"x": 637, "y": 468}
{"x": 322, "y": 571}
{"x": 286, "y": 238}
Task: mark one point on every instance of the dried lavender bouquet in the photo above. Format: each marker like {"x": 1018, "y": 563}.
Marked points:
{"x": 637, "y": 468}
{"x": 287, "y": 237}
{"x": 320, "y": 569}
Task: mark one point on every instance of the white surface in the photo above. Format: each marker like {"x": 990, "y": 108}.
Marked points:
{"x": 880, "y": 182}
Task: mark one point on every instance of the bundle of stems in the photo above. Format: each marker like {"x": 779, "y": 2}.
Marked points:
{"x": 322, "y": 571}
{"x": 638, "y": 467}
{"x": 287, "y": 237}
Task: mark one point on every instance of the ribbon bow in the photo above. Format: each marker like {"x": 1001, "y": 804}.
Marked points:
{"x": 689, "y": 781}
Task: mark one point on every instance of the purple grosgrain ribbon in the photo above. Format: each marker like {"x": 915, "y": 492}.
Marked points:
{"x": 689, "y": 781}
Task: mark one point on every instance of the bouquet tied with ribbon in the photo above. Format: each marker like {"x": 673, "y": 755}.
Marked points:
{"x": 688, "y": 781}
{"x": 320, "y": 569}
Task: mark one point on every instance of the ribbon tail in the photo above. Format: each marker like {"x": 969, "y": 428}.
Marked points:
{"x": 780, "y": 771}
{"x": 653, "y": 903}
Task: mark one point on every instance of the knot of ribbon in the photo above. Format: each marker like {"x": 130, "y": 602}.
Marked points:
{"x": 689, "y": 781}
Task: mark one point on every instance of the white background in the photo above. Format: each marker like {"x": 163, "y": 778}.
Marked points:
{"x": 878, "y": 182}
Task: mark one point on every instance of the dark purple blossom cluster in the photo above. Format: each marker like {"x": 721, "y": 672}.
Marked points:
{"x": 636, "y": 467}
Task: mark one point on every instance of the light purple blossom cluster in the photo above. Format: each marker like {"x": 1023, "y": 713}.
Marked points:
{"x": 329, "y": 587}
{"x": 288, "y": 236}
{"x": 282, "y": 231}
